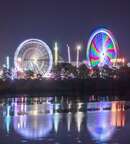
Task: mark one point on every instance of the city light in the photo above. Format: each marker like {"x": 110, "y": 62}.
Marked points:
{"x": 69, "y": 57}
{"x": 7, "y": 62}
{"x": 78, "y": 48}
{"x": 56, "y": 53}
{"x": 118, "y": 60}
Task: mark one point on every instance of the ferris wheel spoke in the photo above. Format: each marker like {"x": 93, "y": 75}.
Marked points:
{"x": 94, "y": 63}
{"x": 98, "y": 43}
{"x": 105, "y": 39}
{"x": 110, "y": 45}
{"x": 108, "y": 60}
{"x": 94, "y": 52}
{"x": 94, "y": 58}
{"x": 112, "y": 51}
{"x": 95, "y": 49}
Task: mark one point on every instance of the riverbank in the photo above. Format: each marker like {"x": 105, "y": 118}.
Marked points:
{"x": 72, "y": 86}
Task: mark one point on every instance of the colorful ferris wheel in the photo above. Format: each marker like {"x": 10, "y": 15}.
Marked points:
{"x": 102, "y": 48}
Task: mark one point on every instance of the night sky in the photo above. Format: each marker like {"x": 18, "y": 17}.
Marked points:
{"x": 65, "y": 21}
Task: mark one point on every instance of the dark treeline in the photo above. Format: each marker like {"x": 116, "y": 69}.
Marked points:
{"x": 66, "y": 77}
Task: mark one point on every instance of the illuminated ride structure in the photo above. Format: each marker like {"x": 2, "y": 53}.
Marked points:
{"x": 34, "y": 55}
{"x": 102, "y": 48}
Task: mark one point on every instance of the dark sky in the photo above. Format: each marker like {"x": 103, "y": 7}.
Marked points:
{"x": 65, "y": 21}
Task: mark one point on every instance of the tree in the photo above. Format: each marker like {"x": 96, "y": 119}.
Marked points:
{"x": 65, "y": 69}
{"x": 83, "y": 72}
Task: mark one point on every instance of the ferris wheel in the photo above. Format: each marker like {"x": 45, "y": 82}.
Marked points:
{"x": 102, "y": 48}
{"x": 34, "y": 55}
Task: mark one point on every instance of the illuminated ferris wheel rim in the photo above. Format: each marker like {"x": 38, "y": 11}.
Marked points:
{"x": 109, "y": 34}
{"x": 38, "y": 41}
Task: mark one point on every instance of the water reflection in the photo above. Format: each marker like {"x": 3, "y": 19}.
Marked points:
{"x": 79, "y": 119}
{"x": 33, "y": 127}
{"x": 69, "y": 120}
{"x": 99, "y": 121}
{"x": 8, "y": 119}
{"x": 47, "y": 117}
{"x": 118, "y": 114}
{"x": 33, "y": 119}
{"x": 103, "y": 118}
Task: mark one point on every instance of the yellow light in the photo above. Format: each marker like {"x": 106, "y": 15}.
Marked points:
{"x": 56, "y": 53}
{"x": 35, "y": 60}
{"x": 35, "y": 112}
{"x": 119, "y": 60}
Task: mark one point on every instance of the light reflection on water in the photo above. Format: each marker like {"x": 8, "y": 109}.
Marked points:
{"x": 62, "y": 120}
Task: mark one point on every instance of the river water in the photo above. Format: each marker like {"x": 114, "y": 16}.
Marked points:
{"x": 64, "y": 120}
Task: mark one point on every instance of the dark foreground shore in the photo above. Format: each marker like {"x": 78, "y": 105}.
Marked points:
{"x": 76, "y": 86}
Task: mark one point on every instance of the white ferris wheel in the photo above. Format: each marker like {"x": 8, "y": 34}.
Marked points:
{"x": 34, "y": 55}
